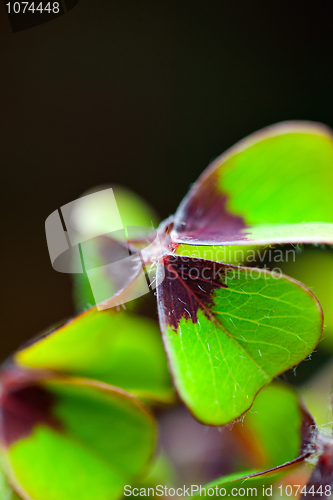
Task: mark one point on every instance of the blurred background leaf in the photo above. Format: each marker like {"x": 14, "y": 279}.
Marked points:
{"x": 6, "y": 492}
{"x": 273, "y": 432}
{"x": 276, "y": 431}
{"x": 88, "y": 442}
{"x": 115, "y": 347}
{"x": 314, "y": 267}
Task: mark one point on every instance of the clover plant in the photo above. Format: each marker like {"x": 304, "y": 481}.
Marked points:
{"x": 79, "y": 404}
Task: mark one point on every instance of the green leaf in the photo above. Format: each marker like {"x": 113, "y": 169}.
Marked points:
{"x": 313, "y": 232}
{"x": 280, "y": 175}
{"x": 229, "y": 331}
{"x": 118, "y": 348}
{"x": 317, "y": 394}
{"x": 278, "y": 428}
{"x": 6, "y": 491}
{"x": 288, "y": 167}
{"x": 243, "y": 486}
{"x": 74, "y": 438}
{"x": 314, "y": 268}
{"x": 162, "y": 472}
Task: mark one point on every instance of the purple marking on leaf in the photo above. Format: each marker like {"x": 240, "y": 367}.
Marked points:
{"x": 189, "y": 285}
{"x": 22, "y": 409}
{"x": 308, "y": 432}
{"x": 203, "y": 215}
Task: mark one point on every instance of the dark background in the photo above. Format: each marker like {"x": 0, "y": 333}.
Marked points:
{"x": 140, "y": 93}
